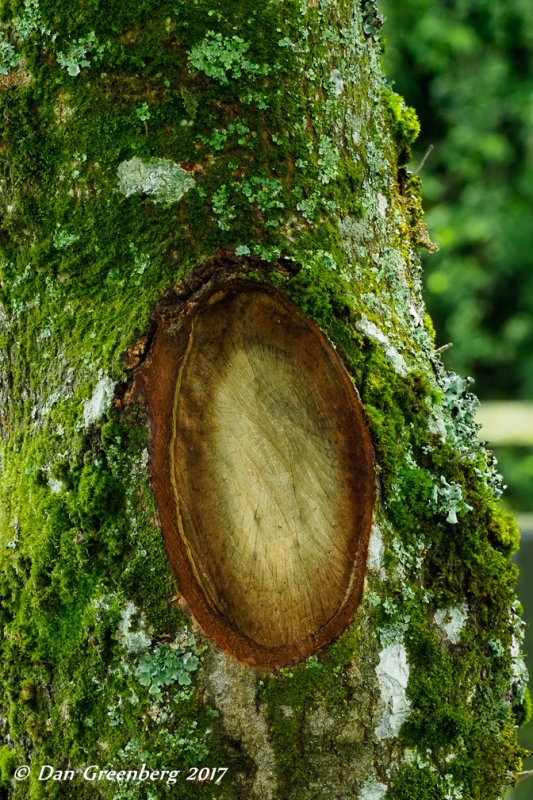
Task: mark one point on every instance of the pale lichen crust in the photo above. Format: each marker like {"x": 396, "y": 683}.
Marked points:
{"x": 293, "y": 151}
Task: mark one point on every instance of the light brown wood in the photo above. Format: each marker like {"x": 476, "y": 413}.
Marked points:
{"x": 271, "y": 475}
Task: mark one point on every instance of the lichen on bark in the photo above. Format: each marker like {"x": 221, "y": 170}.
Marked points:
{"x": 294, "y": 151}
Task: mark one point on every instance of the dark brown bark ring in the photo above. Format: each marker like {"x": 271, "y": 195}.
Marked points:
{"x": 263, "y": 473}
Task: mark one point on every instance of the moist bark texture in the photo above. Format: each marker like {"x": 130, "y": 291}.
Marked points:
{"x": 147, "y": 150}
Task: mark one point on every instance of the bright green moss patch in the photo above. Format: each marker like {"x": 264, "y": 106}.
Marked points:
{"x": 8, "y": 764}
{"x": 274, "y": 152}
{"x": 405, "y": 124}
{"x": 96, "y": 547}
{"x": 504, "y": 531}
{"x": 415, "y": 781}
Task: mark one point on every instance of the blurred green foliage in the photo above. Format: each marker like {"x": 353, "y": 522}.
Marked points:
{"x": 466, "y": 67}
{"x": 516, "y": 464}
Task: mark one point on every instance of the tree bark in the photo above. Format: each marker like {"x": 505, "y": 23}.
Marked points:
{"x": 263, "y": 472}
{"x": 247, "y": 531}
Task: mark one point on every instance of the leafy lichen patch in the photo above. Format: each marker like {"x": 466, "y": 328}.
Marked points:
{"x": 304, "y": 186}
{"x": 161, "y": 180}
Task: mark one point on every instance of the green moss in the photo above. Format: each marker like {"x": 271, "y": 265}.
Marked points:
{"x": 8, "y": 763}
{"x": 503, "y": 530}
{"x": 405, "y": 124}
{"x": 439, "y": 697}
{"x": 293, "y": 693}
{"x": 98, "y": 492}
{"x": 306, "y": 187}
{"x": 412, "y": 782}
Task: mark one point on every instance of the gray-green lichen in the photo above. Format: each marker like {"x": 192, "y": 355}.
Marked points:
{"x": 393, "y": 677}
{"x": 298, "y": 150}
{"x": 452, "y": 621}
{"x": 373, "y": 790}
{"x": 161, "y": 180}
{"x": 376, "y": 549}
{"x": 95, "y": 407}
{"x": 135, "y": 641}
{"x": 395, "y": 358}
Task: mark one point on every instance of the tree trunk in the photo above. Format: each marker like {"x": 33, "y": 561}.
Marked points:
{"x": 247, "y": 531}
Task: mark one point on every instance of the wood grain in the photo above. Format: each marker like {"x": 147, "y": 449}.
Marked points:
{"x": 271, "y": 474}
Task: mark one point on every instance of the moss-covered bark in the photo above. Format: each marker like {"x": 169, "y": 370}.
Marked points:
{"x": 148, "y": 148}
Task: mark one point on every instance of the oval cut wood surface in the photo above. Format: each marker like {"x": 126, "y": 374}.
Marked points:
{"x": 272, "y": 477}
